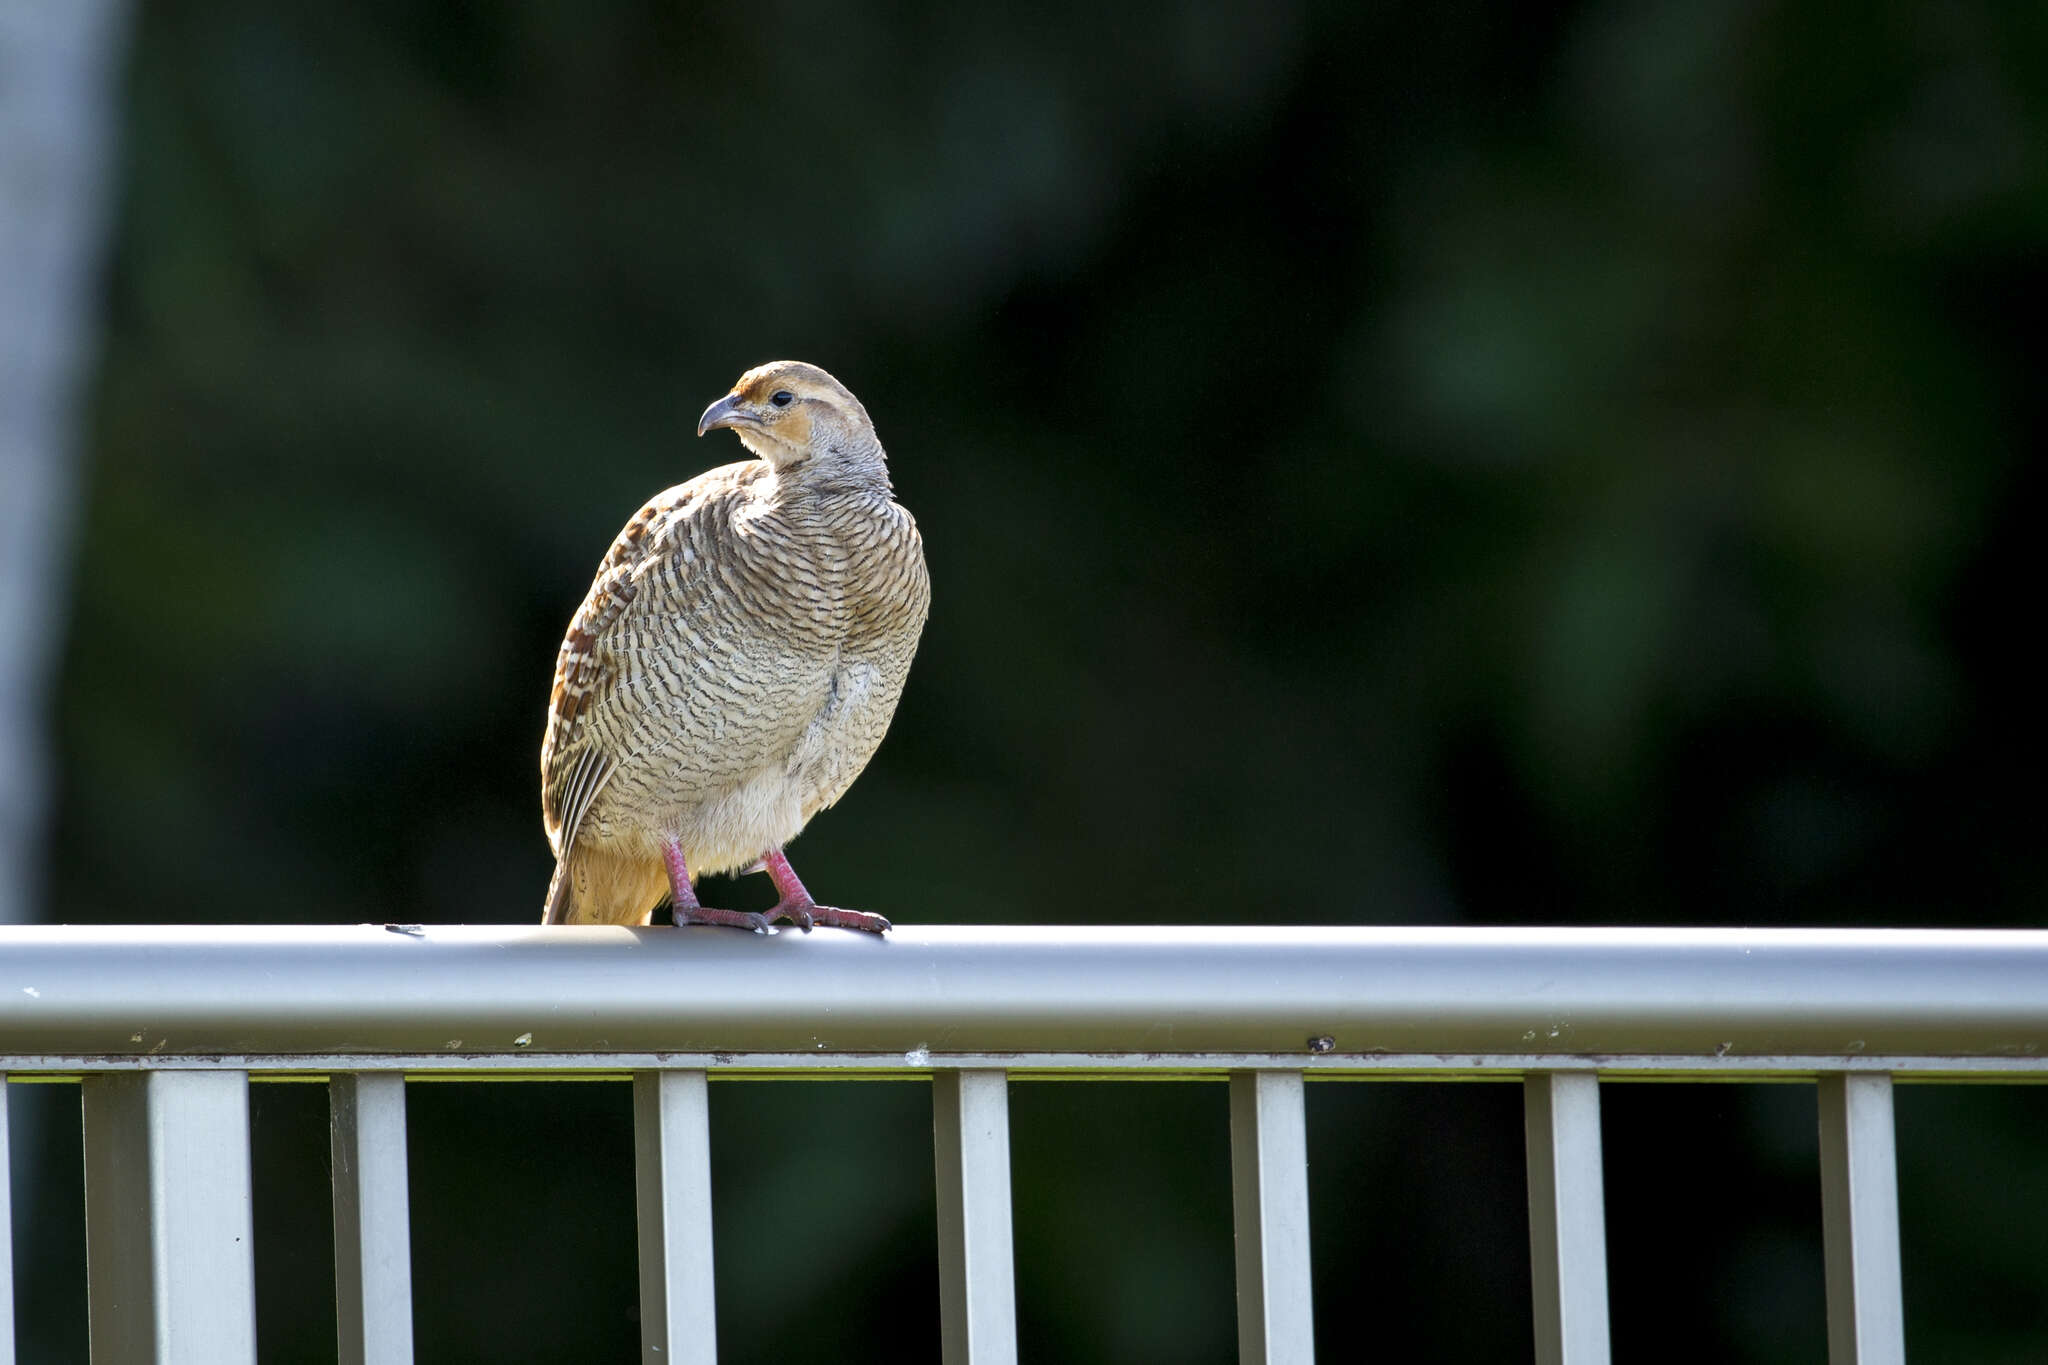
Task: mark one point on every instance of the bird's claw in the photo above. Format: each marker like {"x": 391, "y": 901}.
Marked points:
{"x": 796, "y": 912}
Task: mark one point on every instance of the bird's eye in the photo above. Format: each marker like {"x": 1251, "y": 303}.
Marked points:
{"x": 782, "y": 398}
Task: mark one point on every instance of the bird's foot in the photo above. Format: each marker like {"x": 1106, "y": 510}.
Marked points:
{"x": 736, "y": 919}
{"x": 806, "y": 912}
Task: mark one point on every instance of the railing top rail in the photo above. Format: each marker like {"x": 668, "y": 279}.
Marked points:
{"x": 532, "y": 993}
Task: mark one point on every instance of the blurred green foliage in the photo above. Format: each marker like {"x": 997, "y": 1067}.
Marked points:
{"x": 1379, "y": 463}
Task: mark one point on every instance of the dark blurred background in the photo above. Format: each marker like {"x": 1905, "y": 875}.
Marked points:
{"x": 1428, "y": 463}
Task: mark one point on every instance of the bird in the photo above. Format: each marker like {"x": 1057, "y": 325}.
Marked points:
{"x": 734, "y": 666}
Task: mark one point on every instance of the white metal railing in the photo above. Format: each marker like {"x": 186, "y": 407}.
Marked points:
{"x": 164, "y": 1027}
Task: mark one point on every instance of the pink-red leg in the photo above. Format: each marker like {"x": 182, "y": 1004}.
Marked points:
{"x": 797, "y": 906}
{"x": 688, "y": 911}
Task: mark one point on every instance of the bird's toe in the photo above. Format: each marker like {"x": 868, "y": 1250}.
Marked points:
{"x": 834, "y": 917}
{"x": 731, "y": 919}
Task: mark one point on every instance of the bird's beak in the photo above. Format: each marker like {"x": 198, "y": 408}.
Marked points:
{"x": 726, "y": 412}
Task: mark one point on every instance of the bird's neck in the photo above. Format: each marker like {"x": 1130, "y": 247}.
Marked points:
{"x": 838, "y": 464}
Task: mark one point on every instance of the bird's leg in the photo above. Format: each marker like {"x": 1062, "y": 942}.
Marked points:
{"x": 797, "y": 906}
{"x": 688, "y": 911}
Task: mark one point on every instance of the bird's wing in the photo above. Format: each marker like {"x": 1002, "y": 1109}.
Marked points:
{"x": 660, "y": 565}
{"x": 573, "y": 768}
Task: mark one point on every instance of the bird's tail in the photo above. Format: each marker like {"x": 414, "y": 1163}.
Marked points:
{"x": 597, "y": 886}
{"x": 561, "y": 896}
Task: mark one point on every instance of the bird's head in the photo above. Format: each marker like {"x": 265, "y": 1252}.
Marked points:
{"x": 792, "y": 414}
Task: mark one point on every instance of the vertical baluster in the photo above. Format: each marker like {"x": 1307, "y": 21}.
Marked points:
{"x": 372, "y": 1223}
{"x": 1269, "y": 1201}
{"x": 1567, "y": 1218}
{"x": 672, "y": 1161}
{"x": 6, "y": 1237}
{"x": 170, "y": 1274}
{"x": 977, "y": 1278}
{"x": 1859, "y": 1188}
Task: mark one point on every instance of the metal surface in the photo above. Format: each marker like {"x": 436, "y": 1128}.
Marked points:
{"x": 164, "y": 1026}
{"x": 6, "y": 1237}
{"x": 1269, "y": 1201}
{"x": 672, "y": 1164}
{"x": 977, "y": 1277}
{"x": 372, "y": 1219}
{"x": 1567, "y": 1218}
{"x": 532, "y": 991}
{"x": 1859, "y": 1190}
{"x": 1044, "y": 1066}
{"x": 170, "y": 1270}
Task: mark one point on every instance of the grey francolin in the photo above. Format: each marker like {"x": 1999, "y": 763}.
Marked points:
{"x": 734, "y": 666}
